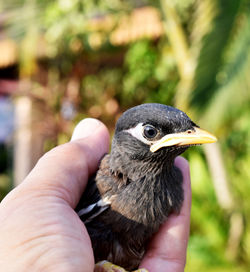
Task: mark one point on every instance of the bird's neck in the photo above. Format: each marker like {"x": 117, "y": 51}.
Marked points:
{"x": 137, "y": 168}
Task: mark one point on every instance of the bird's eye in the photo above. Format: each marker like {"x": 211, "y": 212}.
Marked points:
{"x": 149, "y": 132}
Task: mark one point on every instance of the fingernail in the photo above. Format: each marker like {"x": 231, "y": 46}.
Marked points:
{"x": 85, "y": 128}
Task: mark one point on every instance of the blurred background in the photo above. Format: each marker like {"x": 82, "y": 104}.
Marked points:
{"x": 64, "y": 60}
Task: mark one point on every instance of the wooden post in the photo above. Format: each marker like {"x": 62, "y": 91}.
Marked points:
{"x": 22, "y": 139}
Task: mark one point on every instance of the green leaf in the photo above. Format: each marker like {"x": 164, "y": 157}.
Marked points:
{"x": 211, "y": 54}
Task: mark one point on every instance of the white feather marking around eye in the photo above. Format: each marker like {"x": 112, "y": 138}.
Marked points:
{"x": 137, "y": 132}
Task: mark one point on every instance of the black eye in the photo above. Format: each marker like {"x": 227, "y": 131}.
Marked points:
{"x": 149, "y": 132}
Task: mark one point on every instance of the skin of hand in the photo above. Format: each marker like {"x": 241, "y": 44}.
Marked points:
{"x": 40, "y": 230}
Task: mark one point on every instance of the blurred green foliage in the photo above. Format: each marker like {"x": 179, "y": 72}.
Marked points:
{"x": 66, "y": 52}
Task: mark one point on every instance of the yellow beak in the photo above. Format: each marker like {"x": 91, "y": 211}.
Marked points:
{"x": 189, "y": 137}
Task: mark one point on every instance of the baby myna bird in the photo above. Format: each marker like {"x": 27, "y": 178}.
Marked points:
{"x": 137, "y": 185}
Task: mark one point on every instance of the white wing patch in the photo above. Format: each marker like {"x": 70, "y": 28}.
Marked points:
{"x": 93, "y": 210}
{"x": 88, "y": 209}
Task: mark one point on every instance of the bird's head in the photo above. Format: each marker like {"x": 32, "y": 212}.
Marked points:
{"x": 154, "y": 133}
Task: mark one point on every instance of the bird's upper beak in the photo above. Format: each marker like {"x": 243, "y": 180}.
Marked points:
{"x": 189, "y": 137}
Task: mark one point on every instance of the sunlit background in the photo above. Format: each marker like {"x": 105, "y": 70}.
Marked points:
{"x": 64, "y": 60}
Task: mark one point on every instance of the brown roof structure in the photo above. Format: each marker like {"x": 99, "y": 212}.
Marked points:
{"x": 144, "y": 22}
{"x": 141, "y": 23}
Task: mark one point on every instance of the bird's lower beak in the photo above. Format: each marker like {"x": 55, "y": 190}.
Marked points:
{"x": 189, "y": 137}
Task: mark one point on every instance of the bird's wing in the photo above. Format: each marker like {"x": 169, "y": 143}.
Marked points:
{"x": 90, "y": 212}
{"x": 91, "y": 204}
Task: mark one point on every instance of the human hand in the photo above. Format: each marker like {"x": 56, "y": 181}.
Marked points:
{"x": 40, "y": 230}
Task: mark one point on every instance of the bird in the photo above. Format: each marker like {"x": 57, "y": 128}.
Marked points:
{"x": 137, "y": 185}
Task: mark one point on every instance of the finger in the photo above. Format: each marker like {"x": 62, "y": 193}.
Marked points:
{"x": 167, "y": 250}
{"x": 183, "y": 165}
{"x": 65, "y": 169}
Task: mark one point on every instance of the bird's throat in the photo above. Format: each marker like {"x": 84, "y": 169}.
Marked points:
{"x": 151, "y": 191}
